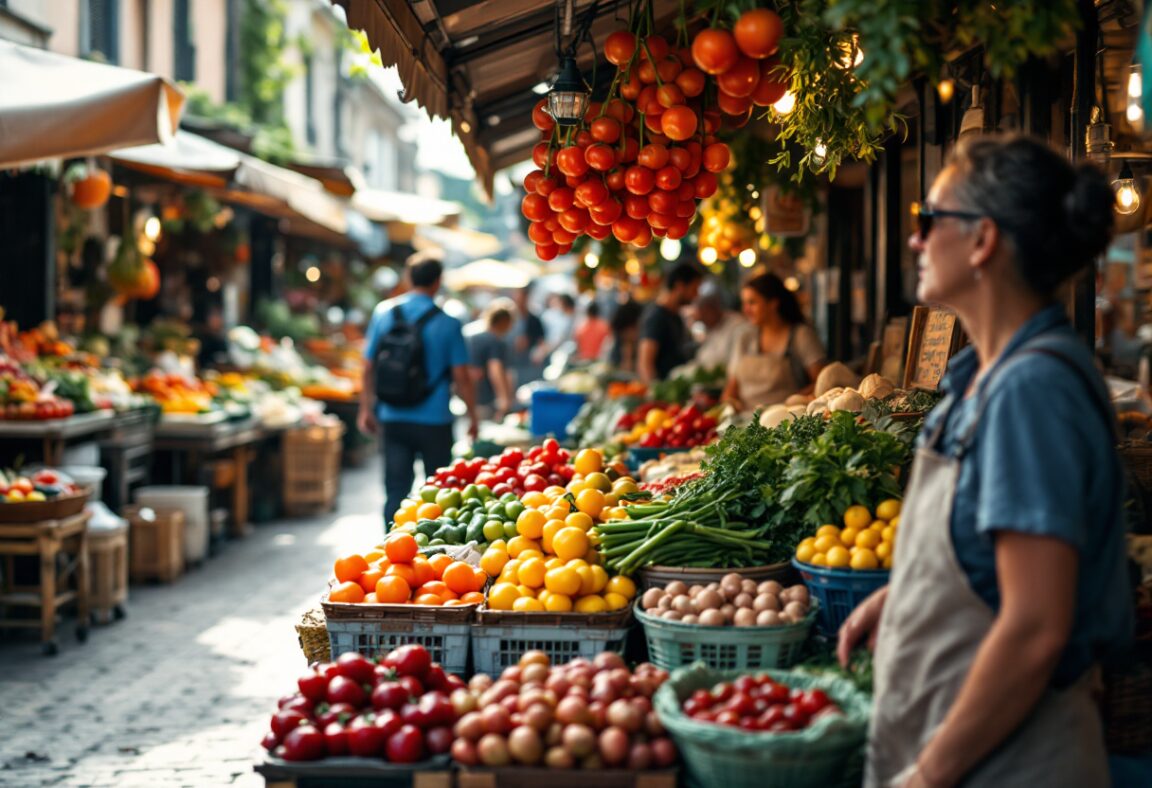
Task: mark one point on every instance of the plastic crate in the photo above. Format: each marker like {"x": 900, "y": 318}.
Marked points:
{"x": 839, "y": 591}
{"x": 553, "y": 410}
{"x": 659, "y": 576}
{"x": 672, "y": 644}
{"x": 533, "y": 777}
{"x": 374, "y": 630}
{"x": 499, "y": 638}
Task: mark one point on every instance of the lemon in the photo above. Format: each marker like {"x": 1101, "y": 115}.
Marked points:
{"x": 865, "y": 559}
{"x": 888, "y": 509}
{"x": 888, "y": 534}
{"x": 599, "y": 578}
{"x": 503, "y": 596}
{"x": 615, "y": 601}
{"x": 878, "y": 525}
{"x": 848, "y": 536}
{"x": 558, "y": 603}
{"x": 887, "y": 564}
{"x": 621, "y": 585}
{"x": 532, "y": 572}
{"x": 565, "y": 580}
{"x": 894, "y": 522}
{"x": 883, "y": 550}
{"x": 805, "y": 552}
{"x": 857, "y": 517}
{"x": 819, "y": 560}
{"x": 591, "y": 604}
{"x": 825, "y": 543}
{"x": 839, "y": 558}
{"x": 528, "y": 605}
{"x": 830, "y": 530}
{"x": 869, "y": 539}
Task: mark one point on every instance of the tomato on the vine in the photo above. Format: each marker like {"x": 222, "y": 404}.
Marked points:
{"x": 653, "y": 156}
{"x": 737, "y": 106}
{"x": 561, "y": 199}
{"x": 647, "y": 72}
{"x": 535, "y": 207}
{"x": 669, "y": 95}
{"x": 607, "y": 211}
{"x": 591, "y": 192}
{"x": 773, "y": 83}
{"x": 599, "y": 231}
{"x": 680, "y": 158}
{"x": 668, "y": 68}
{"x": 562, "y": 236}
{"x": 639, "y": 179}
{"x": 660, "y": 221}
{"x": 679, "y": 229}
{"x": 547, "y": 252}
{"x": 714, "y": 51}
{"x": 619, "y": 47}
{"x": 716, "y": 157}
{"x": 661, "y": 201}
{"x": 630, "y": 88}
{"x": 540, "y": 117}
{"x": 687, "y": 190}
{"x": 685, "y": 209}
{"x": 643, "y": 236}
{"x": 631, "y": 150}
{"x": 605, "y": 129}
{"x": 543, "y": 155}
{"x": 626, "y": 228}
{"x": 574, "y": 220}
{"x": 757, "y": 32}
{"x": 570, "y": 161}
{"x": 538, "y": 233}
{"x": 668, "y": 178}
{"x": 532, "y": 179}
{"x": 600, "y": 157}
{"x": 614, "y": 180}
{"x": 705, "y": 184}
{"x": 741, "y": 79}
{"x": 691, "y": 81}
{"x": 637, "y": 206}
{"x": 620, "y": 110}
{"x": 657, "y": 46}
{"x": 546, "y": 186}
{"x": 679, "y": 123}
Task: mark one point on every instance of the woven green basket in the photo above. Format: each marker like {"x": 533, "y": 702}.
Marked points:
{"x": 672, "y": 644}
{"x": 817, "y": 757}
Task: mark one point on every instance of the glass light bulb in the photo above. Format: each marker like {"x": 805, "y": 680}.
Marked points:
{"x": 748, "y": 258}
{"x": 819, "y": 154}
{"x": 1127, "y": 196}
{"x": 946, "y": 89}
{"x": 152, "y": 228}
{"x": 709, "y": 255}
{"x": 670, "y": 249}
{"x": 786, "y": 103}
{"x": 1134, "y": 113}
{"x": 592, "y": 260}
{"x": 312, "y": 274}
{"x": 1135, "y": 83}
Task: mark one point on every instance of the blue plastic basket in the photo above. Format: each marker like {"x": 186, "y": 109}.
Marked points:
{"x": 553, "y": 410}
{"x": 638, "y": 455}
{"x": 839, "y": 591}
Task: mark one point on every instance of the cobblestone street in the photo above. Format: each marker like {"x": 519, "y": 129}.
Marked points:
{"x": 180, "y": 692}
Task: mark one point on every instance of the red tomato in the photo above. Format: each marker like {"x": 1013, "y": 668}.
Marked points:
{"x": 540, "y": 117}
{"x": 639, "y": 179}
{"x": 714, "y": 51}
{"x": 405, "y": 746}
{"x": 619, "y": 47}
{"x": 741, "y": 79}
{"x": 600, "y": 157}
{"x": 757, "y": 32}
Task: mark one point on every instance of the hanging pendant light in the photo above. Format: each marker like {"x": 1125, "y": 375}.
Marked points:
{"x": 568, "y": 98}
{"x": 1127, "y": 193}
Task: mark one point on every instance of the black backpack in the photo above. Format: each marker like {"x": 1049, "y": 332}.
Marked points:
{"x": 401, "y": 371}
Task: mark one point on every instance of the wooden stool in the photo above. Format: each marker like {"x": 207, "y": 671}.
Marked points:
{"x": 47, "y": 539}
{"x": 108, "y": 554}
{"x": 157, "y": 545}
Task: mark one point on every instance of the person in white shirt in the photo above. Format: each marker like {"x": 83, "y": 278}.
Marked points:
{"x": 723, "y": 330}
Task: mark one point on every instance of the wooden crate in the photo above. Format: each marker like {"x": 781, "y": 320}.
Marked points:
{"x": 311, "y": 470}
{"x": 108, "y": 559}
{"x": 521, "y": 777}
{"x": 156, "y": 546}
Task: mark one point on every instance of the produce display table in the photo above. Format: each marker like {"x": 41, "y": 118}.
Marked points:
{"x": 55, "y": 433}
{"x": 47, "y": 539}
{"x": 126, "y": 453}
{"x": 189, "y": 444}
{"x": 349, "y": 772}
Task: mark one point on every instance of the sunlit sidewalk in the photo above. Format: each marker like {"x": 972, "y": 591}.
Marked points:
{"x": 180, "y": 692}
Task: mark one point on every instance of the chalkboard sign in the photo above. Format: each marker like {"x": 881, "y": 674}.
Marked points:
{"x": 934, "y": 337}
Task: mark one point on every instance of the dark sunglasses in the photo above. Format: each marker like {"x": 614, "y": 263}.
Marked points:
{"x": 924, "y": 215}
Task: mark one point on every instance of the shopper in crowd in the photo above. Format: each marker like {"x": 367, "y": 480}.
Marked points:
{"x": 622, "y": 347}
{"x": 420, "y": 427}
{"x": 591, "y": 334}
{"x": 664, "y": 341}
{"x": 525, "y": 339}
{"x": 780, "y": 356}
{"x": 1009, "y": 584}
{"x": 488, "y": 351}
{"x": 723, "y": 329}
{"x": 559, "y": 321}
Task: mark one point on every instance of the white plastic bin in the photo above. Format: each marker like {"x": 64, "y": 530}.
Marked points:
{"x": 193, "y": 501}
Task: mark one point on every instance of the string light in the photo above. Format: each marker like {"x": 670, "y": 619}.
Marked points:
{"x": 670, "y": 249}
{"x": 152, "y": 228}
{"x": 1133, "y": 111}
{"x": 709, "y": 255}
{"x": 785, "y": 104}
{"x": 819, "y": 154}
{"x": 1127, "y": 193}
{"x": 792, "y": 283}
{"x": 312, "y": 274}
{"x": 747, "y": 258}
{"x": 946, "y": 90}
{"x": 592, "y": 260}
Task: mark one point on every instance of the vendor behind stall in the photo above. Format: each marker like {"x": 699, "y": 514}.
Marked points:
{"x": 781, "y": 356}
{"x": 663, "y": 336}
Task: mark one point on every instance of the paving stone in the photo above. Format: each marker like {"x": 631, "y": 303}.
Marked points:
{"x": 180, "y": 692}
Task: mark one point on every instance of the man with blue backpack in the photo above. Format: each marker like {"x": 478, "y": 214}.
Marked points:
{"x": 415, "y": 354}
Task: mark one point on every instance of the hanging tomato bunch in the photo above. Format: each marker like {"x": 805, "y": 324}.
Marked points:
{"x": 638, "y": 165}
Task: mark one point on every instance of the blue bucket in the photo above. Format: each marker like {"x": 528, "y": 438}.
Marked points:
{"x": 839, "y": 591}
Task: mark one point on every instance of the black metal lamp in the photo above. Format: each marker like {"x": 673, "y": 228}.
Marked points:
{"x": 568, "y": 98}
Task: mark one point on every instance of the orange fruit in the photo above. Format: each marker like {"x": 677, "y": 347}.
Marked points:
{"x": 350, "y": 567}
{"x": 459, "y": 578}
{"x": 401, "y": 547}
{"x": 472, "y": 598}
{"x": 570, "y": 543}
{"x": 405, "y": 515}
{"x": 404, "y": 571}
{"x": 449, "y": 594}
{"x": 392, "y": 589}
{"x": 588, "y": 461}
{"x": 530, "y": 524}
{"x": 440, "y": 562}
{"x": 368, "y": 579}
{"x": 428, "y": 511}
{"x": 436, "y": 587}
{"x": 423, "y": 569}
{"x": 591, "y": 502}
{"x": 370, "y": 599}
{"x": 348, "y": 591}
{"x": 428, "y": 599}
{"x": 479, "y": 579}
{"x": 372, "y": 556}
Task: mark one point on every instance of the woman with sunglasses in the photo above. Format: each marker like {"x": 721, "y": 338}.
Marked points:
{"x": 1009, "y": 576}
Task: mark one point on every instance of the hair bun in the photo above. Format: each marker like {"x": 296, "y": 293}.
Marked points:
{"x": 1088, "y": 210}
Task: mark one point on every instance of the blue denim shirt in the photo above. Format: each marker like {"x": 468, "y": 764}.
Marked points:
{"x": 1041, "y": 461}
{"x": 444, "y": 348}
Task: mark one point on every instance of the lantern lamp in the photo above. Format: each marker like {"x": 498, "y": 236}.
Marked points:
{"x": 568, "y": 98}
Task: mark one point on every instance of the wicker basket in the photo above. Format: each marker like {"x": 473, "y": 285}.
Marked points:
{"x": 500, "y": 638}
{"x": 374, "y": 630}
{"x": 312, "y": 468}
{"x": 38, "y": 511}
{"x": 1127, "y": 699}
{"x": 672, "y": 644}
{"x": 312, "y": 633}
{"x": 660, "y": 576}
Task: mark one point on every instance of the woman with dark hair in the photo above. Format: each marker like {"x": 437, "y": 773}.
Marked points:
{"x": 622, "y": 348}
{"x": 781, "y": 356}
{"x": 1009, "y": 580}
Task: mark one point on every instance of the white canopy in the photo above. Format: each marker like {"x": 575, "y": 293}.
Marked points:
{"x": 53, "y": 106}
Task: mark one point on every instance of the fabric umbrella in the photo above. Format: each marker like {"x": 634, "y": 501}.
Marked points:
{"x": 53, "y": 106}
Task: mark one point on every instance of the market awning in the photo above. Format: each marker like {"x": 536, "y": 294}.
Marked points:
{"x": 53, "y": 106}
{"x": 476, "y": 62}
{"x": 456, "y": 242}
{"x": 496, "y": 274}
{"x": 189, "y": 159}
{"x": 387, "y": 206}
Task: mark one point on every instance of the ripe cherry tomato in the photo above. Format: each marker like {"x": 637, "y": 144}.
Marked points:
{"x": 714, "y": 51}
{"x": 619, "y": 47}
{"x": 668, "y": 178}
{"x": 691, "y": 81}
{"x": 716, "y": 157}
{"x": 540, "y": 117}
{"x": 741, "y": 79}
{"x": 639, "y": 179}
{"x": 679, "y": 123}
{"x": 773, "y": 83}
{"x": 535, "y": 207}
{"x": 757, "y": 32}
{"x": 600, "y": 157}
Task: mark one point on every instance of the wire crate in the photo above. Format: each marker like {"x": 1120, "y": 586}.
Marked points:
{"x": 500, "y": 638}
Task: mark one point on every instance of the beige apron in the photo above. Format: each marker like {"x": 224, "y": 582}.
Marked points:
{"x": 931, "y": 628}
{"x": 766, "y": 378}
